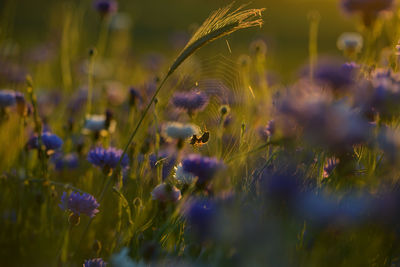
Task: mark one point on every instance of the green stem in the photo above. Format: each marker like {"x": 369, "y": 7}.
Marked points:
{"x": 90, "y": 83}
{"x": 314, "y": 18}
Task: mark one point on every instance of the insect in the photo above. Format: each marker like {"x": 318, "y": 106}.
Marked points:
{"x": 200, "y": 140}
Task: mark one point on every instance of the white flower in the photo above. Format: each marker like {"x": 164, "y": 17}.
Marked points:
{"x": 182, "y": 176}
{"x": 177, "y": 130}
{"x": 350, "y": 42}
{"x": 165, "y": 193}
{"x": 97, "y": 123}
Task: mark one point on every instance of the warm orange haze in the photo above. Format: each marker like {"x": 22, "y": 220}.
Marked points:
{"x": 199, "y": 133}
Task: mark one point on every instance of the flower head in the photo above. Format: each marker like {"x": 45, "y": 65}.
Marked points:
{"x": 190, "y": 101}
{"x": 177, "y": 130}
{"x": 7, "y": 98}
{"x": 50, "y": 141}
{"x": 97, "y": 262}
{"x": 68, "y": 161}
{"x": 203, "y": 167}
{"x": 106, "y": 7}
{"x": 350, "y": 42}
{"x": 79, "y": 203}
{"x": 182, "y": 176}
{"x": 201, "y": 213}
{"x": 166, "y": 193}
{"x": 107, "y": 158}
{"x": 334, "y": 75}
{"x": 102, "y": 124}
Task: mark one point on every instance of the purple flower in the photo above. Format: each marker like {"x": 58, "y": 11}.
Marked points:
{"x": 49, "y": 140}
{"x": 105, "y": 7}
{"x": 333, "y": 125}
{"x": 107, "y": 158}
{"x": 77, "y": 204}
{"x": 350, "y": 67}
{"x": 166, "y": 193}
{"x": 69, "y": 161}
{"x": 8, "y": 98}
{"x": 200, "y": 214}
{"x": 334, "y": 75}
{"x": 97, "y": 262}
{"x": 203, "y": 167}
{"x": 369, "y": 9}
{"x": 190, "y": 101}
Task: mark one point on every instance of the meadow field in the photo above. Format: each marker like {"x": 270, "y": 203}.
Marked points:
{"x": 199, "y": 133}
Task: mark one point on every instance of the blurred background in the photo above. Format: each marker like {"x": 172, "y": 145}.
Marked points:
{"x": 163, "y": 26}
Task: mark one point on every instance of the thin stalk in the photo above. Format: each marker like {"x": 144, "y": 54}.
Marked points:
{"x": 90, "y": 82}
{"x": 314, "y": 18}
{"x": 38, "y": 126}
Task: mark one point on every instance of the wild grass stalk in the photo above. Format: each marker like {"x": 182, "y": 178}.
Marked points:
{"x": 314, "y": 18}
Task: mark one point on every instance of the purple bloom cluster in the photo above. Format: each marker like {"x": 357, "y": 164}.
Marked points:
{"x": 321, "y": 121}
{"x": 334, "y": 75}
{"x": 49, "y": 140}
{"x": 105, "y": 7}
{"x": 203, "y": 167}
{"x": 79, "y": 203}
{"x": 69, "y": 161}
{"x": 107, "y": 158}
{"x": 190, "y": 101}
{"x": 201, "y": 214}
{"x": 380, "y": 95}
{"x": 97, "y": 262}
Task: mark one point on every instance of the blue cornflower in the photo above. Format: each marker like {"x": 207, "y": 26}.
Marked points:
{"x": 105, "y": 7}
{"x": 50, "y": 141}
{"x": 97, "y": 262}
{"x": 190, "y": 101}
{"x": 351, "y": 67}
{"x": 200, "y": 214}
{"x": 77, "y": 204}
{"x": 369, "y": 9}
{"x": 69, "y": 161}
{"x": 107, "y": 158}
{"x": 203, "y": 167}
{"x": 7, "y": 98}
{"x": 334, "y": 75}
